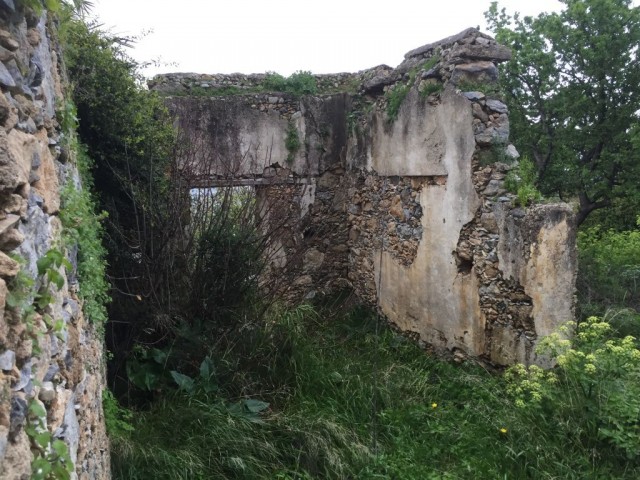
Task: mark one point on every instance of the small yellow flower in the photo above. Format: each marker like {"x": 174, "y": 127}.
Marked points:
{"x": 503, "y": 431}
{"x": 434, "y": 405}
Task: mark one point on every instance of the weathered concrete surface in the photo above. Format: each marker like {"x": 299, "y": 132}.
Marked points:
{"x": 244, "y": 136}
{"x": 537, "y": 250}
{"x": 415, "y": 143}
{"x": 411, "y": 211}
{"x": 420, "y": 297}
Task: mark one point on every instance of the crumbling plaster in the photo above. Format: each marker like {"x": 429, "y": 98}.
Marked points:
{"x": 411, "y": 211}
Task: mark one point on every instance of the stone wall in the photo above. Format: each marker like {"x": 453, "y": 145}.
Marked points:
{"x": 57, "y": 368}
{"x": 404, "y": 199}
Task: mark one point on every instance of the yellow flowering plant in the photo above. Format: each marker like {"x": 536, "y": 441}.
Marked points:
{"x": 594, "y": 390}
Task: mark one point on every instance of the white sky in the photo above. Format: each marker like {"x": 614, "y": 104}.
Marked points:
{"x": 323, "y": 36}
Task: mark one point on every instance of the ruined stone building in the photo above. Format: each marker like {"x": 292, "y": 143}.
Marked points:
{"x": 393, "y": 183}
{"x": 390, "y": 182}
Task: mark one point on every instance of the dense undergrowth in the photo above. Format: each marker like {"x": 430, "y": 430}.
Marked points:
{"x": 339, "y": 395}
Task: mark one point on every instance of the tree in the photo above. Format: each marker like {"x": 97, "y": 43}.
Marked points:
{"x": 573, "y": 88}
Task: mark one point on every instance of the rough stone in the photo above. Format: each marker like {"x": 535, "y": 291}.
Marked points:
{"x": 18, "y": 415}
{"x": 495, "y": 187}
{"x": 8, "y": 223}
{"x": 47, "y": 392}
{"x": 70, "y": 430}
{"x": 8, "y": 4}
{"x": 496, "y": 106}
{"x": 47, "y": 185}
{"x": 493, "y": 53}
{"x": 474, "y": 96}
{"x": 33, "y": 36}
{"x": 488, "y": 221}
{"x": 378, "y": 82}
{"x": 480, "y": 114}
{"x": 313, "y": 259}
{"x": 6, "y": 55}
{"x": 11, "y": 239}
{"x": 6, "y": 40}
{"x": 6, "y": 80}
{"x": 7, "y": 360}
{"x": 512, "y": 152}
{"x": 9, "y": 268}
{"x": 14, "y": 72}
{"x": 445, "y": 42}
{"x": 52, "y": 371}
{"x": 477, "y": 72}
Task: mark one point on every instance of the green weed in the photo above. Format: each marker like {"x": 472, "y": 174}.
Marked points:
{"x": 343, "y": 396}
{"x": 395, "y": 98}
{"x": 298, "y": 83}
{"x": 82, "y": 226}
{"x": 522, "y": 181}
{"x": 292, "y": 142}
{"x": 430, "y": 89}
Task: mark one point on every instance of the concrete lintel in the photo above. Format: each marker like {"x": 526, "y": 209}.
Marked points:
{"x": 247, "y": 182}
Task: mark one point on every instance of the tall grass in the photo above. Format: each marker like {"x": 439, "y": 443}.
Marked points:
{"x": 356, "y": 401}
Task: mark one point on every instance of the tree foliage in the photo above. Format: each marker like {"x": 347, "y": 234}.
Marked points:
{"x": 573, "y": 88}
{"x": 129, "y": 137}
{"x": 181, "y": 263}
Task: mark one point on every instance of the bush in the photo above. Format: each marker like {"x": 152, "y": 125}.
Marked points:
{"x": 594, "y": 396}
{"x": 298, "y": 83}
{"x": 127, "y": 133}
{"x": 522, "y": 181}
{"x": 395, "y": 97}
{"x": 609, "y": 275}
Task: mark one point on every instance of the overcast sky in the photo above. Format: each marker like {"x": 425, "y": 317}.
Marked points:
{"x": 323, "y": 36}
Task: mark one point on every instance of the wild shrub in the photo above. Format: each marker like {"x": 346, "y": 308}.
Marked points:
{"x": 298, "y": 83}
{"x": 127, "y": 133}
{"x": 522, "y": 181}
{"x": 395, "y": 97}
{"x": 593, "y": 395}
{"x": 609, "y": 275}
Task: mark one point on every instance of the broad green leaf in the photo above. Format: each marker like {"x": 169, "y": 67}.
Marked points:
{"x": 43, "y": 439}
{"x": 184, "y": 382}
{"x": 159, "y": 356}
{"x": 37, "y": 409}
{"x": 256, "y": 406}
{"x": 40, "y": 468}
{"x": 206, "y": 368}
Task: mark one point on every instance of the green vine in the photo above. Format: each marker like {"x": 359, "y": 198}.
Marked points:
{"x": 51, "y": 455}
{"x": 292, "y": 142}
{"x": 82, "y": 225}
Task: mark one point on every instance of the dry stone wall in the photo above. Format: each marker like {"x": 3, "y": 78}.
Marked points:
{"x": 55, "y": 369}
{"x": 404, "y": 198}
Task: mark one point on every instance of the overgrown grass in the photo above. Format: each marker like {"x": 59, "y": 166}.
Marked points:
{"x": 350, "y": 398}
{"x": 430, "y": 89}
{"x": 395, "y": 97}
